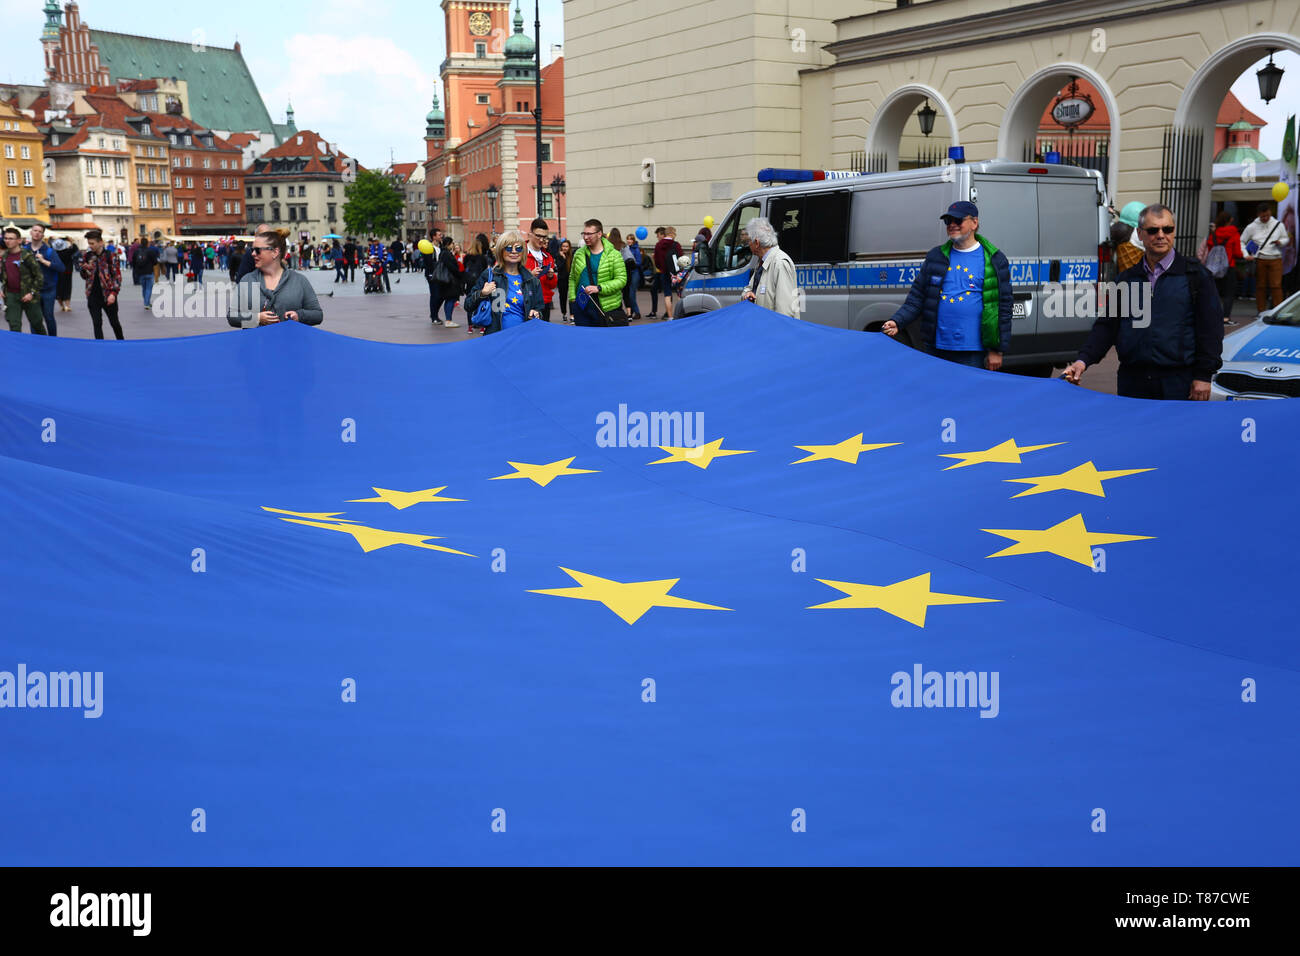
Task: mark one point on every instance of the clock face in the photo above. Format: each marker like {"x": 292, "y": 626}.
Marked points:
{"x": 480, "y": 24}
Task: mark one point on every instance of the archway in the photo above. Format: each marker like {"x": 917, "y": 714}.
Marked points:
{"x": 1198, "y": 109}
{"x": 894, "y": 116}
{"x": 1024, "y": 113}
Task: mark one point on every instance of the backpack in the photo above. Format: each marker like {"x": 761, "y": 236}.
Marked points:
{"x": 1216, "y": 262}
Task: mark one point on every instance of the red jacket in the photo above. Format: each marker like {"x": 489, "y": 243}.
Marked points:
{"x": 1228, "y": 237}
{"x": 546, "y": 274}
{"x": 110, "y": 273}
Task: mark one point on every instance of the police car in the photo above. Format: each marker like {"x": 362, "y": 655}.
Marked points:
{"x": 858, "y": 241}
{"x": 1262, "y": 360}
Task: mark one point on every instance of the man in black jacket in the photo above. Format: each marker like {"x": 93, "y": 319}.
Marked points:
{"x": 1164, "y": 320}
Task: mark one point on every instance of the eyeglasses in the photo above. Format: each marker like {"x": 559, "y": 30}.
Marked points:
{"x": 514, "y": 248}
{"x": 588, "y": 235}
{"x": 541, "y": 235}
{"x": 1154, "y": 230}
{"x": 256, "y": 249}
{"x": 954, "y": 221}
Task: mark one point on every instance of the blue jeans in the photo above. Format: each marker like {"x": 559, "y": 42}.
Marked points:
{"x": 146, "y": 288}
{"x": 47, "y": 306}
{"x": 973, "y": 359}
{"x": 630, "y": 290}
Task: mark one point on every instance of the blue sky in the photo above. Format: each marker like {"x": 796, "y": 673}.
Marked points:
{"x": 359, "y": 73}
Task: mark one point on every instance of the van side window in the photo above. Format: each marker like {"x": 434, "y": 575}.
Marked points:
{"x": 731, "y": 244}
{"x": 813, "y": 228}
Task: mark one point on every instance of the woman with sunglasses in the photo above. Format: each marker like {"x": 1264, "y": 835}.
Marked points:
{"x": 271, "y": 293}
{"x": 515, "y": 293}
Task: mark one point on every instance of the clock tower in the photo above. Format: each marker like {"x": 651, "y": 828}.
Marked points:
{"x": 477, "y": 31}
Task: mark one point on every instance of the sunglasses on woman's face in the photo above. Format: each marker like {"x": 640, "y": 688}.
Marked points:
{"x": 1155, "y": 230}
{"x": 515, "y": 248}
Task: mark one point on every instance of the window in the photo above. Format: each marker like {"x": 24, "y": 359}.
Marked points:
{"x": 177, "y": 182}
{"x": 207, "y": 163}
{"x": 331, "y": 215}
{"x": 148, "y": 150}
{"x": 31, "y": 205}
{"x": 92, "y": 198}
{"x": 25, "y": 152}
{"x": 480, "y": 51}
{"x": 259, "y": 192}
{"x": 13, "y": 205}
{"x": 146, "y": 131}
{"x": 117, "y": 143}
{"x": 225, "y": 207}
{"x": 176, "y": 160}
{"x": 191, "y": 205}
{"x": 153, "y": 200}
{"x": 255, "y": 214}
{"x": 139, "y": 174}
{"x": 275, "y": 212}
{"x": 207, "y": 182}
{"x": 730, "y": 249}
{"x": 827, "y": 238}
{"x": 207, "y": 207}
{"x": 103, "y": 167}
{"x": 12, "y": 176}
{"x": 223, "y": 164}
{"x": 223, "y": 182}
{"x": 189, "y": 182}
{"x": 329, "y": 190}
{"x": 481, "y": 99}
{"x": 101, "y": 142}
{"x": 546, "y": 152}
{"x": 119, "y": 168}
{"x": 167, "y": 200}
{"x": 275, "y": 191}
{"x": 54, "y": 139}
{"x": 547, "y": 205}
{"x": 90, "y": 167}
{"x": 189, "y": 140}
{"x": 27, "y": 178}
{"x": 293, "y": 213}
{"x": 153, "y": 175}
{"x": 144, "y": 202}
{"x": 189, "y": 160}
{"x": 121, "y": 198}
{"x": 236, "y": 207}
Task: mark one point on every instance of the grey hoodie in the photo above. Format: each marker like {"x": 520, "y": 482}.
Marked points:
{"x": 293, "y": 293}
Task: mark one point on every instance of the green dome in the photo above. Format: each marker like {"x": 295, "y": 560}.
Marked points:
{"x": 1240, "y": 124}
{"x": 1239, "y": 154}
{"x": 520, "y": 45}
{"x": 435, "y": 116}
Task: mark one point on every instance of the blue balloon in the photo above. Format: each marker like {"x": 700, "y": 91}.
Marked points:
{"x": 641, "y": 232}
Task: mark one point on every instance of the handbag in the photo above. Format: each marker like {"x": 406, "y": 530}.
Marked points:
{"x": 591, "y": 306}
{"x": 441, "y": 274}
{"x": 1253, "y": 247}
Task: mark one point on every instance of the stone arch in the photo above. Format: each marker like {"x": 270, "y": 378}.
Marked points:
{"x": 1024, "y": 113}
{"x": 1198, "y": 107}
{"x": 891, "y": 118}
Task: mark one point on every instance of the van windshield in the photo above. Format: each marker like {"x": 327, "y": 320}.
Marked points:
{"x": 730, "y": 248}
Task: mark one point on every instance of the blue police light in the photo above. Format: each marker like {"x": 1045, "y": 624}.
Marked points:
{"x": 770, "y": 175}
{"x": 1052, "y": 157}
{"x": 957, "y": 154}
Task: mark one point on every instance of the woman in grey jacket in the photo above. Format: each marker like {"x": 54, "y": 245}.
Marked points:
{"x": 271, "y": 293}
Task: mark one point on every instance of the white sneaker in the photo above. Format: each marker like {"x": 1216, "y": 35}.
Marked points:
{"x": 449, "y": 324}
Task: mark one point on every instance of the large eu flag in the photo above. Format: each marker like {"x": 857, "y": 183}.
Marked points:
{"x": 735, "y": 589}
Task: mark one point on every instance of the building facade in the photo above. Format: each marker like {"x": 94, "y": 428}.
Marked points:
{"x": 299, "y": 185}
{"x": 23, "y": 196}
{"x": 481, "y": 154}
{"x": 207, "y": 178}
{"x": 845, "y": 79}
{"x": 90, "y": 180}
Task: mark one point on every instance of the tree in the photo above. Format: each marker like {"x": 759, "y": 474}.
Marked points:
{"x": 374, "y": 205}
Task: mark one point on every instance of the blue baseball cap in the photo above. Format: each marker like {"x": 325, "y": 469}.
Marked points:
{"x": 960, "y": 210}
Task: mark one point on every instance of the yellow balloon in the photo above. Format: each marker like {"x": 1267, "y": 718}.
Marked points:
{"x": 1280, "y": 191}
{"x": 425, "y": 246}
{"x": 708, "y": 222}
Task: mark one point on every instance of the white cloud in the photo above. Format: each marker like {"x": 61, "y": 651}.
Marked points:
{"x": 361, "y": 92}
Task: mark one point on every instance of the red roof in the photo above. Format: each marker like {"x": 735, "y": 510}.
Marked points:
{"x": 175, "y": 121}
{"x": 553, "y": 91}
{"x": 404, "y": 170}
{"x": 241, "y": 139}
{"x": 1232, "y": 111}
{"x": 310, "y": 145}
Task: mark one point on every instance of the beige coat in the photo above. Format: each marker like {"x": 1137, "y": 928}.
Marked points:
{"x": 778, "y": 289}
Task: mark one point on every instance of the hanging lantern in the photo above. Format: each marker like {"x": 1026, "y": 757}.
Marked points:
{"x": 926, "y": 115}
{"x": 1270, "y": 78}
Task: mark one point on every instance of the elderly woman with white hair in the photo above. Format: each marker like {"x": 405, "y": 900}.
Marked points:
{"x": 515, "y": 293}
{"x": 773, "y": 285}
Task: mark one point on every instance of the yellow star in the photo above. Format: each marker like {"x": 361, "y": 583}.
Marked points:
{"x": 629, "y": 600}
{"x": 847, "y": 450}
{"x": 314, "y": 515}
{"x": 906, "y": 600}
{"x": 1085, "y": 478}
{"x": 1070, "y": 539}
{"x": 1007, "y": 453}
{"x": 544, "y": 474}
{"x": 404, "y": 499}
{"x": 701, "y": 456}
{"x": 372, "y": 539}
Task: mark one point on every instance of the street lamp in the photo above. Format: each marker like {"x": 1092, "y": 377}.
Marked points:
{"x": 557, "y": 188}
{"x": 492, "y": 192}
{"x": 1269, "y": 77}
{"x": 926, "y": 115}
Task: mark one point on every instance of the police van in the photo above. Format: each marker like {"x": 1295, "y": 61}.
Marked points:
{"x": 858, "y": 241}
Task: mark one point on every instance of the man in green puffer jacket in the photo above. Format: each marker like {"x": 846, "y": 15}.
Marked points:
{"x": 597, "y": 271}
{"x": 22, "y": 284}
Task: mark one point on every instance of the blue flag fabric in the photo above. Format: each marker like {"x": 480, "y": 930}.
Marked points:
{"x": 838, "y": 602}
